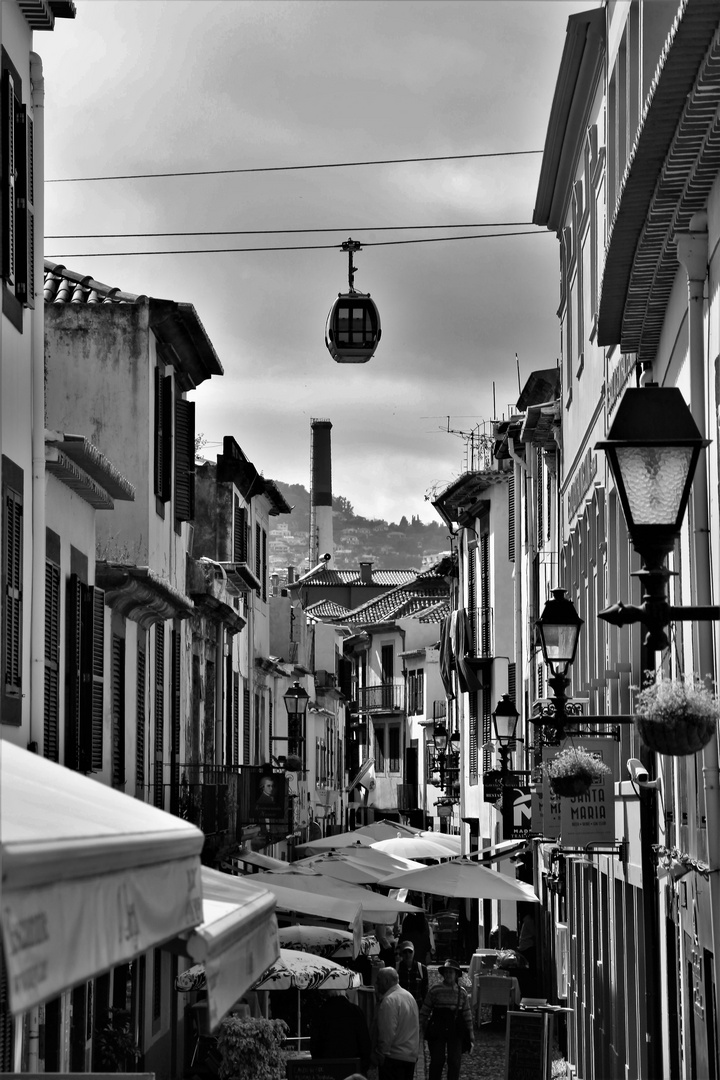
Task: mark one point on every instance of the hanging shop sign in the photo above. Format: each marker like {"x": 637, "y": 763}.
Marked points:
{"x": 590, "y": 819}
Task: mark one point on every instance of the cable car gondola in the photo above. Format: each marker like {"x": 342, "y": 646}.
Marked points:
{"x": 352, "y": 331}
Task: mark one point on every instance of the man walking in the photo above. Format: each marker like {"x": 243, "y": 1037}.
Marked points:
{"x": 396, "y": 1028}
{"x": 412, "y": 974}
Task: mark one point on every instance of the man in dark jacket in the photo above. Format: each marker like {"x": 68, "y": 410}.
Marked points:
{"x": 412, "y": 974}
{"x": 340, "y": 1030}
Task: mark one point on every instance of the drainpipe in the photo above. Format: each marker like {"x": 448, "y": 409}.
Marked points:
{"x": 37, "y": 331}
{"x": 692, "y": 250}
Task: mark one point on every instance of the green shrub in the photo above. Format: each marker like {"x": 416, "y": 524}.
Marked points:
{"x": 251, "y": 1049}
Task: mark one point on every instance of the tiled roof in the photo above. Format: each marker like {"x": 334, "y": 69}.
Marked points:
{"x": 424, "y": 599}
{"x": 174, "y": 323}
{"x": 326, "y": 609}
{"x": 63, "y": 286}
{"x": 325, "y": 577}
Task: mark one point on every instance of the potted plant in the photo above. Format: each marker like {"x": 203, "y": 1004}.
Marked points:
{"x": 114, "y": 1046}
{"x": 676, "y": 716}
{"x": 251, "y": 1049}
{"x": 573, "y": 771}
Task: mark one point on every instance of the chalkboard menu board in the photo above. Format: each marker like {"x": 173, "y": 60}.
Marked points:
{"x": 321, "y": 1069}
{"x": 527, "y": 1046}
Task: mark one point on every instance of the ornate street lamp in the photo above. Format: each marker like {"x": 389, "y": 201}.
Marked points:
{"x": 296, "y": 701}
{"x": 505, "y": 721}
{"x": 558, "y": 629}
{"x": 653, "y": 447}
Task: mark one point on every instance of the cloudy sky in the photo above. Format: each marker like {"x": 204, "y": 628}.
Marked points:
{"x": 141, "y": 87}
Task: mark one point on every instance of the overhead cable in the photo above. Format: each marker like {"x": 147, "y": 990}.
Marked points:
{"x": 288, "y": 168}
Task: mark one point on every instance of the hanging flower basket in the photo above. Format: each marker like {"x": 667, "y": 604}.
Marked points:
{"x": 573, "y": 771}
{"x": 676, "y": 716}
{"x": 293, "y": 763}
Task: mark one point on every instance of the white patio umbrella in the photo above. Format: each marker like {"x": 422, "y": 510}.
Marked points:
{"x": 463, "y": 878}
{"x": 415, "y": 847}
{"x": 342, "y": 869}
{"x": 375, "y": 907}
{"x": 363, "y": 856}
{"x": 340, "y": 840}
{"x": 325, "y": 941}
{"x": 306, "y": 971}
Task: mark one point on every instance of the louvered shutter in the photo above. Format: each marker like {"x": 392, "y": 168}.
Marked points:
{"x": 73, "y": 674}
{"x": 9, "y": 238}
{"x": 159, "y": 711}
{"x": 511, "y": 518}
{"x": 117, "y": 696}
{"x": 24, "y": 209}
{"x": 258, "y": 554}
{"x": 240, "y": 539}
{"x": 92, "y": 666}
{"x": 540, "y": 501}
{"x": 485, "y": 642}
{"x": 163, "y": 435}
{"x": 472, "y": 603}
{"x": 487, "y": 733}
{"x": 140, "y": 718}
{"x": 13, "y": 602}
{"x": 175, "y": 655}
{"x": 51, "y": 703}
{"x": 246, "y": 725}
{"x": 184, "y": 460}
{"x": 235, "y": 719}
{"x": 6, "y": 1022}
{"x": 473, "y": 738}
{"x": 264, "y": 565}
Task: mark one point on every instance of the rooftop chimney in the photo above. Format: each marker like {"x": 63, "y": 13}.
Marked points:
{"x": 366, "y": 573}
{"x": 321, "y": 525}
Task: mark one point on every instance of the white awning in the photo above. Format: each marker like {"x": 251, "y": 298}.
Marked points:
{"x": 237, "y": 940}
{"x": 91, "y": 877}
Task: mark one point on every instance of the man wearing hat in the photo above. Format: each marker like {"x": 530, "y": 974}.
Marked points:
{"x": 412, "y": 974}
{"x": 446, "y": 1022}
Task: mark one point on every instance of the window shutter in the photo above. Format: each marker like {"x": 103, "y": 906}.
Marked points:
{"x": 163, "y": 434}
{"x": 235, "y": 719}
{"x": 473, "y": 738}
{"x": 540, "y": 502}
{"x": 258, "y": 553}
{"x": 240, "y": 540}
{"x": 51, "y": 735}
{"x": 487, "y": 733}
{"x": 264, "y": 565}
{"x": 6, "y": 1022}
{"x": 184, "y": 460}
{"x": 92, "y": 660}
{"x": 12, "y": 573}
{"x": 9, "y": 238}
{"x": 74, "y": 674}
{"x": 24, "y": 209}
{"x": 159, "y": 711}
{"x": 175, "y": 655}
{"x": 485, "y": 642}
{"x": 511, "y": 518}
{"x": 246, "y": 725}
{"x": 118, "y": 710}
{"x": 472, "y": 599}
{"x": 140, "y": 718}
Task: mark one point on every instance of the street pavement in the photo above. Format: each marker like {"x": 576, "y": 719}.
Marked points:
{"x": 487, "y": 1060}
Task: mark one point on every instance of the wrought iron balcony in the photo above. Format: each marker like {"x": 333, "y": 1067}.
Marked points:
{"x": 387, "y": 697}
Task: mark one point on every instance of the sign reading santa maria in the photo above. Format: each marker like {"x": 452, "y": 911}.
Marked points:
{"x": 590, "y": 819}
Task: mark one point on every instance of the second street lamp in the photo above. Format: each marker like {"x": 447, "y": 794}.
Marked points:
{"x": 653, "y": 447}
{"x": 296, "y": 700}
{"x": 505, "y": 721}
{"x": 558, "y": 629}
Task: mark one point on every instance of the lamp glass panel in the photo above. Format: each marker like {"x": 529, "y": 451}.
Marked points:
{"x": 560, "y": 642}
{"x": 504, "y": 726}
{"x": 654, "y": 479}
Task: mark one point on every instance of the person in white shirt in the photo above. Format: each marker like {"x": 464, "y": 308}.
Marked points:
{"x": 396, "y": 1030}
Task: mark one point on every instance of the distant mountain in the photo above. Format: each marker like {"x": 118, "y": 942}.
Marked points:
{"x": 388, "y": 545}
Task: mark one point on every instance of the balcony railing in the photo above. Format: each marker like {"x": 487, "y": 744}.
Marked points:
{"x": 387, "y": 697}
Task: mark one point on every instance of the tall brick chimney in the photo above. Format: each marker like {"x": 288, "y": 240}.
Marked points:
{"x": 321, "y": 523}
